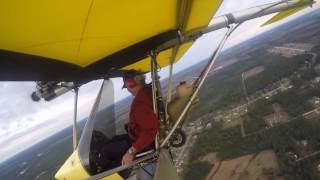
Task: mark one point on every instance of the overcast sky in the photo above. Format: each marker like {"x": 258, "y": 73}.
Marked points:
{"x": 23, "y": 121}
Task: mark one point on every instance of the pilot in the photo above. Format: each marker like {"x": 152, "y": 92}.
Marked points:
{"x": 142, "y": 127}
{"x": 143, "y": 124}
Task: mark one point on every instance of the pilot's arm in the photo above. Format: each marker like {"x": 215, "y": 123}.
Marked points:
{"x": 147, "y": 127}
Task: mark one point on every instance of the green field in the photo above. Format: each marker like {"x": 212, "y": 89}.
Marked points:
{"x": 225, "y": 90}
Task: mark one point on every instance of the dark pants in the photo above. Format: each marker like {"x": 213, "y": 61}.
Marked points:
{"x": 113, "y": 152}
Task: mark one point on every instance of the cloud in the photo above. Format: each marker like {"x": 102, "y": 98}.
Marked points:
{"x": 23, "y": 121}
{"x": 19, "y": 113}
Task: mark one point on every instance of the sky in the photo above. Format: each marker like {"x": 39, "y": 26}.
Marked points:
{"x": 23, "y": 121}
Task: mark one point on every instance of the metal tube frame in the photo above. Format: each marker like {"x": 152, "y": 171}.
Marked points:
{"x": 124, "y": 167}
{"x": 74, "y": 127}
{"x": 198, "y": 85}
{"x": 153, "y": 82}
{"x": 235, "y": 18}
{"x": 154, "y": 93}
{"x": 170, "y": 82}
{"x": 158, "y": 104}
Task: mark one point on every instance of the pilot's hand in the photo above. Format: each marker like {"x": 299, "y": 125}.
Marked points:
{"x": 127, "y": 158}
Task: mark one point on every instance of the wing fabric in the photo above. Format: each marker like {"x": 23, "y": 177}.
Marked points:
{"x": 282, "y": 15}
{"x": 76, "y": 40}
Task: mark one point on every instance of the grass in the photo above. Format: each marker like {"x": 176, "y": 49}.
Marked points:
{"x": 292, "y": 103}
{"x": 197, "y": 170}
{"x": 225, "y": 88}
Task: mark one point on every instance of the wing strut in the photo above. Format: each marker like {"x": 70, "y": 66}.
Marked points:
{"x": 74, "y": 126}
{"x": 182, "y": 20}
{"x": 198, "y": 84}
{"x": 235, "y": 18}
{"x": 158, "y": 103}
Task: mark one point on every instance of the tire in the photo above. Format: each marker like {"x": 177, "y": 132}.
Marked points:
{"x": 178, "y": 138}
{"x": 35, "y": 97}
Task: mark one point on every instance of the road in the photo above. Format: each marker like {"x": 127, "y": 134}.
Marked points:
{"x": 308, "y": 156}
{"x": 243, "y": 107}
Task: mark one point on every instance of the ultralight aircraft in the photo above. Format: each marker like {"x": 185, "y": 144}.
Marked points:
{"x": 64, "y": 44}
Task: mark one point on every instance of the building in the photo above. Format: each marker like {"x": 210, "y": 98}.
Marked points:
{"x": 291, "y": 49}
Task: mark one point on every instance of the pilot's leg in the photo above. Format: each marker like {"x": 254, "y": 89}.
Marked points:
{"x": 113, "y": 151}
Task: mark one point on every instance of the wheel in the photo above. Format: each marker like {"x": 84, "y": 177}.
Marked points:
{"x": 178, "y": 138}
{"x": 35, "y": 97}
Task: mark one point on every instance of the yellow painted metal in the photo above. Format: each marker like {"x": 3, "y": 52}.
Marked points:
{"x": 73, "y": 169}
{"x": 83, "y": 32}
{"x": 283, "y": 15}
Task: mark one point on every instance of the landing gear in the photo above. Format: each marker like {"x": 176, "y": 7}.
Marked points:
{"x": 178, "y": 138}
{"x": 35, "y": 97}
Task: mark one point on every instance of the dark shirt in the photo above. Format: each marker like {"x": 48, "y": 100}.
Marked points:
{"x": 143, "y": 124}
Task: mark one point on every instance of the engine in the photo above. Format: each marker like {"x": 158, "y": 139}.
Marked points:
{"x": 50, "y": 90}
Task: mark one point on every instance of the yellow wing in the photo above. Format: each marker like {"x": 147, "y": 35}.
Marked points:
{"x": 55, "y": 40}
{"x": 283, "y": 15}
